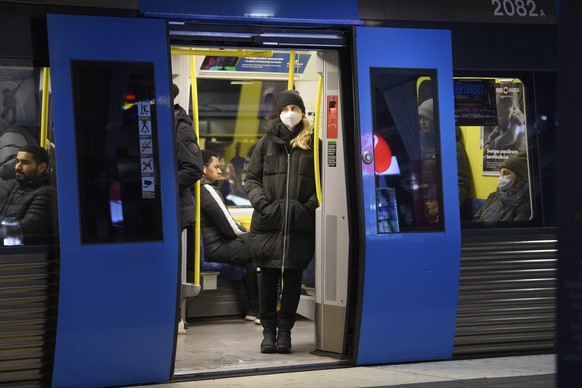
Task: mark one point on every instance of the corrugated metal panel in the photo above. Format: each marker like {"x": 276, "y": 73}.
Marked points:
{"x": 507, "y": 294}
{"x": 28, "y": 315}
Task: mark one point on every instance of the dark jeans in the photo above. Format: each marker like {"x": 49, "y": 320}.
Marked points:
{"x": 236, "y": 251}
{"x": 290, "y": 294}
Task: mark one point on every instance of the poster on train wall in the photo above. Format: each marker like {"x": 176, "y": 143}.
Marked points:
{"x": 19, "y": 101}
{"x": 508, "y": 136}
{"x": 277, "y": 63}
{"x": 475, "y": 102}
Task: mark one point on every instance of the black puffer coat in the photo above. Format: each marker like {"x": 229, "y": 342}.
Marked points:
{"x": 190, "y": 165}
{"x": 280, "y": 183}
{"x": 33, "y": 204}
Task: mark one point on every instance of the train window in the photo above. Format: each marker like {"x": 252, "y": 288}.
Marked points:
{"x": 117, "y": 157}
{"x": 406, "y": 150}
{"x": 233, "y": 116}
{"x": 490, "y": 114}
{"x": 20, "y": 113}
{"x": 20, "y": 124}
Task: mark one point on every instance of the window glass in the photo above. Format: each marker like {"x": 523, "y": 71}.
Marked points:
{"x": 21, "y": 93}
{"x": 491, "y": 119}
{"x": 117, "y": 157}
{"x": 20, "y": 113}
{"x": 406, "y": 151}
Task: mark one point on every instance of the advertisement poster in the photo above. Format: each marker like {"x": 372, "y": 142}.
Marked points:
{"x": 19, "y": 99}
{"x": 277, "y": 63}
{"x": 508, "y": 136}
{"x": 475, "y": 103}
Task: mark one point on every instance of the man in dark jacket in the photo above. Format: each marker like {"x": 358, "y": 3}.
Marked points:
{"x": 190, "y": 167}
{"x": 225, "y": 241}
{"x": 29, "y": 198}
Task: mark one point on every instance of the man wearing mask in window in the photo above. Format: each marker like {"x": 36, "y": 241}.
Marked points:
{"x": 510, "y": 202}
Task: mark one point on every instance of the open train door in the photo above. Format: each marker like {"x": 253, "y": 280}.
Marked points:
{"x": 119, "y": 233}
{"x": 412, "y": 251}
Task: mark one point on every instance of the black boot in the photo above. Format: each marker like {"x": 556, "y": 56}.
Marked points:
{"x": 269, "y": 322}
{"x": 285, "y": 324}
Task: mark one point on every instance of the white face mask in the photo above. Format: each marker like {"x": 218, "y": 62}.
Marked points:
{"x": 504, "y": 183}
{"x": 291, "y": 119}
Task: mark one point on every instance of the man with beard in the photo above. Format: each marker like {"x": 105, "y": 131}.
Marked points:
{"x": 29, "y": 198}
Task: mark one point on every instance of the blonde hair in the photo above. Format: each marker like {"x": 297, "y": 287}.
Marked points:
{"x": 303, "y": 140}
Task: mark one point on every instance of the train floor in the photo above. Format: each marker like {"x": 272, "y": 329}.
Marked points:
{"x": 225, "y": 346}
{"x": 536, "y": 371}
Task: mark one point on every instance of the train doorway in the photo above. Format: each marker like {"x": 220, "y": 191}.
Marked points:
{"x": 234, "y": 97}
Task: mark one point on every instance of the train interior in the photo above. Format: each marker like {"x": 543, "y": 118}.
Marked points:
{"x": 236, "y": 94}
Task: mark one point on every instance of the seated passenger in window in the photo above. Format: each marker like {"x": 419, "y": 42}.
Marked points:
{"x": 428, "y": 156}
{"x": 225, "y": 241}
{"x": 29, "y": 198}
{"x": 510, "y": 202}
{"x": 464, "y": 176}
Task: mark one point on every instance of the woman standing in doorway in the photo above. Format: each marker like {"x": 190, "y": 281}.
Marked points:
{"x": 280, "y": 183}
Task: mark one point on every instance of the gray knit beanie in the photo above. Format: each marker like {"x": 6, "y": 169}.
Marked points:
{"x": 426, "y": 109}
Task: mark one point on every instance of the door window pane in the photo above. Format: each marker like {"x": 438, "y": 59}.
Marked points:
{"x": 406, "y": 151}
{"x": 117, "y": 157}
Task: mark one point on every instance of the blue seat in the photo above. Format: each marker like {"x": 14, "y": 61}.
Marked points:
{"x": 476, "y": 205}
{"x": 227, "y": 271}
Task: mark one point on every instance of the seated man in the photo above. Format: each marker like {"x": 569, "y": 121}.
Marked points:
{"x": 224, "y": 240}
{"x": 29, "y": 198}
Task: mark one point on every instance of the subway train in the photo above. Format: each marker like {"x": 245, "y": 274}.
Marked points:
{"x": 406, "y": 266}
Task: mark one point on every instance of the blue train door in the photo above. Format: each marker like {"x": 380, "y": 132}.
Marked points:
{"x": 411, "y": 211}
{"x": 119, "y": 236}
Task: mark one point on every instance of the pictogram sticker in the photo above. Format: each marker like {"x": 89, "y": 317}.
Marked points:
{"x": 147, "y": 165}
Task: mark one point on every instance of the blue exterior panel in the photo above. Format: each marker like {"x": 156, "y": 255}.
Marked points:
{"x": 117, "y": 303}
{"x": 338, "y": 12}
{"x": 411, "y": 279}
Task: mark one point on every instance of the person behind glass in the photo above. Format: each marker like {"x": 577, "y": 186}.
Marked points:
{"x": 29, "y": 198}
{"x": 225, "y": 241}
{"x": 428, "y": 151}
{"x": 510, "y": 202}
{"x": 189, "y": 172}
{"x": 190, "y": 164}
{"x": 464, "y": 176}
{"x": 428, "y": 159}
{"x": 280, "y": 183}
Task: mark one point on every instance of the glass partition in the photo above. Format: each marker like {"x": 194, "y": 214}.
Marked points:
{"x": 407, "y": 158}
{"x": 117, "y": 161}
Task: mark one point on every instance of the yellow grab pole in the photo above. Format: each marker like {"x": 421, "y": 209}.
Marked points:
{"x": 44, "y": 107}
{"x": 291, "y": 79}
{"x": 196, "y": 125}
{"x": 316, "y": 149}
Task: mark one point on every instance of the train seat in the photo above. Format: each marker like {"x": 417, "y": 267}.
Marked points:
{"x": 227, "y": 271}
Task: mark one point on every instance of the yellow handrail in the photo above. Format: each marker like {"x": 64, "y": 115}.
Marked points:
{"x": 44, "y": 107}
{"x": 316, "y": 149}
{"x": 196, "y": 126}
{"x": 291, "y": 79}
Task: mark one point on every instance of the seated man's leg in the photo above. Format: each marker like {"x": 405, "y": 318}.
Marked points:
{"x": 237, "y": 252}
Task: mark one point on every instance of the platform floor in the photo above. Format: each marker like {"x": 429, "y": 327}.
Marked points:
{"x": 231, "y": 358}
{"x": 505, "y": 372}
